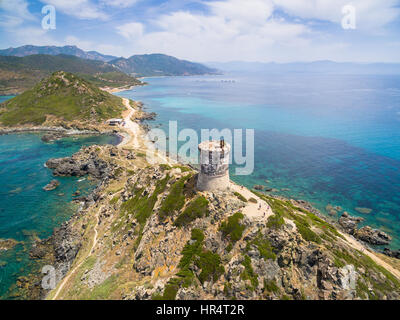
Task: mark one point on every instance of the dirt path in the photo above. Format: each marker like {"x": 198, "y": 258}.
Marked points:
{"x": 357, "y": 245}
{"x": 65, "y": 280}
{"x": 131, "y": 126}
{"x": 260, "y": 210}
{"x": 252, "y": 210}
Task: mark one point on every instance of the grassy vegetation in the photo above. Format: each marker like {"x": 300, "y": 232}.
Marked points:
{"x": 303, "y": 221}
{"x": 263, "y": 245}
{"x": 271, "y": 286}
{"x": 103, "y": 291}
{"x": 232, "y": 228}
{"x": 62, "y": 95}
{"x": 240, "y": 197}
{"x": 307, "y": 233}
{"x": 360, "y": 260}
{"x": 248, "y": 272}
{"x": 275, "y": 221}
{"x": 175, "y": 199}
{"x": 193, "y": 253}
{"x": 183, "y": 168}
{"x": 197, "y": 208}
{"x": 253, "y": 200}
{"x": 114, "y": 200}
{"x": 141, "y": 207}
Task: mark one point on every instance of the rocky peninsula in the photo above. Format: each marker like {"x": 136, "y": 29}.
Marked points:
{"x": 147, "y": 233}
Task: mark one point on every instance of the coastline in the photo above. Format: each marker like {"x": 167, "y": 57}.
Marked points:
{"x": 133, "y": 138}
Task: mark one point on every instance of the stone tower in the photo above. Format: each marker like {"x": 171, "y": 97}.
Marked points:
{"x": 214, "y": 166}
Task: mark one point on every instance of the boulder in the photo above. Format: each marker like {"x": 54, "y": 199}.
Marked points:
{"x": 372, "y": 236}
{"x": 392, "y": 253}
{"x": 349, "y": 223}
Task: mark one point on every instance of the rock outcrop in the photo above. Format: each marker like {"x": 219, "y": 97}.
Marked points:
{"x": 366, "y": 234}
{"x": 349, "y": 223}
{"x": 80, "y": 164}
{"x": 372, "y": 236}
{"x": 157, "y": 237}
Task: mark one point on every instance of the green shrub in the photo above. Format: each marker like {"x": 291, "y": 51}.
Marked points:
{"x": 271, "y": 286}
{"x": 307, "y": 233}
{"x": 240, "y": 197}
{"x": 165, "y": 167}
{"x": 232, "y": 228}
{"x": 114, "y": 200}
{"x": 248, "y": 272}
{"x": 264, "y": 247}
{"x": 210, "y": 265}
{"x": 175, "y": 199}
{"x": 193, "y": 253}
{"x": 275, "y": 221}
{"x": 198, "y": 208}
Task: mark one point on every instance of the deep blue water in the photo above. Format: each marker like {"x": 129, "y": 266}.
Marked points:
{"x": 26, "y": 210}
{"x": 330, "y": 139}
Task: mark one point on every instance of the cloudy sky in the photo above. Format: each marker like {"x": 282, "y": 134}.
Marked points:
{"x": 212, "y": 30}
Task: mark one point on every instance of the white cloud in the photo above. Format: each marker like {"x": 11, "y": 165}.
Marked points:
{"x": 14, "y": 13}
{"x": 253, "y": 30}
{"x": 119, "y": 3}
{"x": 81, "y": 9}
{"x": 131, "y": 30}
{"x": 370, "y": 14}
{"x": 234, "y": 29}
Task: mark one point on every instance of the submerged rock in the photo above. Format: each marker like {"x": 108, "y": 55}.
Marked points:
{"x": 52, "y": 185}
{"x": 53, "y": 136}
{"x": 7, "y": 244}
{"x": 363, "y": 210}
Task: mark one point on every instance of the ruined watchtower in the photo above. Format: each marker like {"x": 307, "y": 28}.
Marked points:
{"x": 214, "y": 165}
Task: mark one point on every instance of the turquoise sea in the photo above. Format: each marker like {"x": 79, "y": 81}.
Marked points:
{"x": 27, "y": 211}
{"x": 328, "y": 139}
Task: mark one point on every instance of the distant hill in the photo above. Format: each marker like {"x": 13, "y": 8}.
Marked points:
{"x": 327, "y": 67}
{"x": 62, "y": 96}
{"x": 160, "y": 65}
{"x": 53, "y": 50}
{"x": 18, "y": 74}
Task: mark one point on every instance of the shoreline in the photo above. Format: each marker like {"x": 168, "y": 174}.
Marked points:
{"x": 129, "y": 134}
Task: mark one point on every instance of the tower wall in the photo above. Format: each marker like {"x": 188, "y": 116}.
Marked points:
{"x": 214, "y": 166}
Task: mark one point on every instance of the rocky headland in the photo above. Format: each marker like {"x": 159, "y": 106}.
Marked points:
{"x": 147, "y": 233}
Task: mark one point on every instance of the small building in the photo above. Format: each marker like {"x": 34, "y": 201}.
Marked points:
{"x": 115, "y": 122}
{"x": 214, "y": 166}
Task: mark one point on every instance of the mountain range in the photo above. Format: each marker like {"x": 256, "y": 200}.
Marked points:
{"x": 54, "y": 50}
{"x": 18, "y": 74}
{"x": 21, "y": 68}
{"x": 160, "y": 65}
